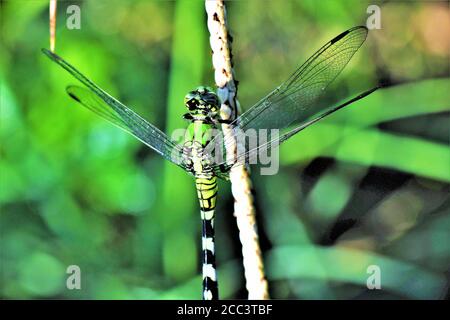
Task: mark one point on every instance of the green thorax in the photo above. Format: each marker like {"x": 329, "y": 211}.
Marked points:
{"x": 203, "y": 108}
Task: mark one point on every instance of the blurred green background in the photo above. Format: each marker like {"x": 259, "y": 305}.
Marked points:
{"x": 367, "y": 186}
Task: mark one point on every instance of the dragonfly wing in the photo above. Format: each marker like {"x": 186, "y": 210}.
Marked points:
{"x": 100, "y": 102}
{"x": 243, "y": 158}
{"x": 296, "y": 102}
{"x": 96, "y": 105}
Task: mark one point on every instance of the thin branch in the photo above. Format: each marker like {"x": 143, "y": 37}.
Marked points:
{"x": 244, "y": 210}
{"x": 52, "y": 18}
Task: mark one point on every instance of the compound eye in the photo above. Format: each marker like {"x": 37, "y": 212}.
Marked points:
{"x": 213, "y": 100}
{"x": 191, "y": 104}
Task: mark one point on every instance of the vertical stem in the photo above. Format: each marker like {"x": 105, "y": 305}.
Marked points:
{"x": 52, "y": 21}
{"x": 244, "y": 210}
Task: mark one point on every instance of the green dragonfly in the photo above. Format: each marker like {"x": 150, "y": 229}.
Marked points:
{"x": 290, "y": 108}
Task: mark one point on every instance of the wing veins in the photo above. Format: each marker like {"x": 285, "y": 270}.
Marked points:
{"x": 120, "y": 115}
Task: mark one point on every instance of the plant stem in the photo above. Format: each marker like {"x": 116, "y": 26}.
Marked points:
{"x": 244, "y": 210}
{"x": 52, "y": 21}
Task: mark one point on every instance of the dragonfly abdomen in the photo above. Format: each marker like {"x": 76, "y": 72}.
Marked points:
{"x": 207, "y": 194}
{"x": 198, "y": 135}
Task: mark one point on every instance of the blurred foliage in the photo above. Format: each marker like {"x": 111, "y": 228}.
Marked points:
{"x": 367, "y": 186}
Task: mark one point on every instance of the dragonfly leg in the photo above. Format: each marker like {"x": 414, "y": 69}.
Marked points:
{"x": 225, "y": 121}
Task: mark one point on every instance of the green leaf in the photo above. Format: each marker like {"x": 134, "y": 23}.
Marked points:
{"x": 350, "y": 266}
{"x": 372, "y": 147}
{"x": 341, "y": 135}
{"x": 396, "y": 102}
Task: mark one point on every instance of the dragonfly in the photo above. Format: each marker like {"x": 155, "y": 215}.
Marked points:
{"x": 293, "y": 106}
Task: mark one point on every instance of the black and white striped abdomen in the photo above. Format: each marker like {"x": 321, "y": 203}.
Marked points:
{"x": 207, "y": 193}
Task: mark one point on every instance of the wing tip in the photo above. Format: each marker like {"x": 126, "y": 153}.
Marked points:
{"x": 50, "y": 54}
{"x": 71, "y": 94}
{"x": 364, "y": 29}
{"x": 346, "y": 32}
{"x": 47, "y": 52}
{"x": 361, "y": 28}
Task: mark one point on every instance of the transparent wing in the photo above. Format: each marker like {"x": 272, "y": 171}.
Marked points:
{"x": 246, "y": 156}
{"x": 95, "y": 104}
{"x": 296, "y": 103}
{"x": 100, "y": 102}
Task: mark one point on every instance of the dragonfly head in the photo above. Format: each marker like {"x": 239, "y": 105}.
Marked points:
{"x": 202, "y": 101}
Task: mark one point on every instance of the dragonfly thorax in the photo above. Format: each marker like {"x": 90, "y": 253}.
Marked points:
{"x": 202, "y": 104}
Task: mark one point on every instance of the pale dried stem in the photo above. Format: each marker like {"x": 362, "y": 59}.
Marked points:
{"x": 52, "y": 20}
{"x": 244, "y": 210}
